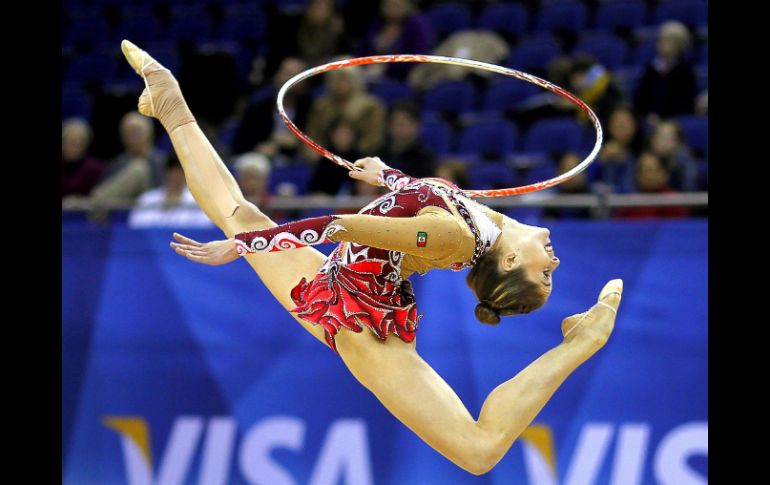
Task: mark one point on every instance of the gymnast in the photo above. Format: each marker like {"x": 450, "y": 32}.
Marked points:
{"x": 359, "y": 301}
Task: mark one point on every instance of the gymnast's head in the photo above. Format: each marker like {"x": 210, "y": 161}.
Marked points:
{"x": 515, "y": 275}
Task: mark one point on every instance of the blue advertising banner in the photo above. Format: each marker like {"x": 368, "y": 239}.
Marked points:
{"x": 177, "y": 373}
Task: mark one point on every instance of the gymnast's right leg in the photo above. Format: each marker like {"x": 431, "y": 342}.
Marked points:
{"x": 213, "y": 186}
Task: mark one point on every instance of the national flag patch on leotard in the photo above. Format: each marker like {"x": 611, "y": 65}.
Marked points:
{"x": 422, "y": 239}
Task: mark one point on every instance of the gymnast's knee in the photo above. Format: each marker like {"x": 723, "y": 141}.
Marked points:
{"x": 485, "y": 453}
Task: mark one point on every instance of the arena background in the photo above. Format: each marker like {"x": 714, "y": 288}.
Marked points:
{"x": 178, "y": 373}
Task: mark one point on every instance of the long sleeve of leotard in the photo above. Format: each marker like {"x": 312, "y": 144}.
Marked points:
{"x": 434, "y": 233}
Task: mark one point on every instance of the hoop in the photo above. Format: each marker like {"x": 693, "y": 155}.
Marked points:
{"x": 361, "y": 61}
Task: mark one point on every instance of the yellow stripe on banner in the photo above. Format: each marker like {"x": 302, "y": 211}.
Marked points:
{"x": 541, "y": 437}
{"x": 135, "y": 428}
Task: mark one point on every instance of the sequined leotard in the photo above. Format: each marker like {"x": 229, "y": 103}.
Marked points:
{"x": 421, "y": 224}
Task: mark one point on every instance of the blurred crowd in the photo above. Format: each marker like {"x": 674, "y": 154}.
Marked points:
{"x": 641, "y": 66}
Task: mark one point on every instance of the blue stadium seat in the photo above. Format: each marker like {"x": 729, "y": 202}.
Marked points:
{"x": 628, "y": 79}
{"x": 503, "y": 18}
{"x": 537, "y": 173}
{"x": 696, "y": 132}
{"x": 645, "y": 52}
{"x": 86, "y": 29}
{"x": 489, "y": 139}
{"x": 703, "y": 54}
{"x": 297, "y": 175}
{"x": 447, "y": 18}
{"x": 610, "y": 50}
{"x": 189, "y": 27}
{"x": 454, "y": 97}
{"x": 507, "y": 94}
{"x": 554, "y": 135}
{"x": 75, "y": 104}
{"x": 693, "y": 13}
{"x": 490, "y": 176}
{"x": 702, "y": 77}
{"x": 572, "y": 16}
{"x": 93, "y": 67}
{"x": 140, "y": 29}
{"x": 239, "y": 26}
{"x": 629, "y": 15}
{"x": 534, "y": 54}
{"x": 391, "y": 91}
{"x": 703, "y": 175}
{"x": 437, "y": 136}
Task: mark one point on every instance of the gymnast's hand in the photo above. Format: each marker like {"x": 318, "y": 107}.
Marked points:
{"x": 593, "y": 327}
{"x": 214, "y": 253}
{"x": 371, "y": 168}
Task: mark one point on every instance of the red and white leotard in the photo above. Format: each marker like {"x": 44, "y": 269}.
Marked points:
{"x": 420, "y": 225}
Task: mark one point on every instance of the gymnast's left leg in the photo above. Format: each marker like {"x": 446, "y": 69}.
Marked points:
{"x": 410, "y": 389}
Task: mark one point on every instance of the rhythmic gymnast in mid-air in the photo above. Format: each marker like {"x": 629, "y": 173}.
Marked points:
{"x": 359, "y": 302}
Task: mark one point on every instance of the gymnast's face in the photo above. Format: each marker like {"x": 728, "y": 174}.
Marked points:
{"x": 530, "y": 248}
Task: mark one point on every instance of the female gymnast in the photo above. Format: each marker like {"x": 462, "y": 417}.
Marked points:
{"x": 354, "y": 299}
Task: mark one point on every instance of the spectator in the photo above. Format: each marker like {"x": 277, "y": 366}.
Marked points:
{"x": 80, "y": 171}
{"x": 404, "y": 149}
{"x": 668, "y": 85}
{"x": 576, "y": 185}
{"x": 668, "y": 144}
{"x": 702, "y": 103}
{"x": 321, "y": 32}
{"x": 139, "y": 167}
{"x": 593, "y": 84}
{"x": 170, "y": 205}
{"x": 479, "y": 45}
{"x": 347, "y": 99}
{"x": 623, "y": 145}
{"x": 261, "y": 129}
{"x": 329, "y": 178}
{"x": 651, "y": 177}
{"x": 252, "y": 171}
{"x": 400, "y": 29}
{"x": 455, "y": 171}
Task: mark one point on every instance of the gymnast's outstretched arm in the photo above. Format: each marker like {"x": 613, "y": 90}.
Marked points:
{"x": 433, "y": 233}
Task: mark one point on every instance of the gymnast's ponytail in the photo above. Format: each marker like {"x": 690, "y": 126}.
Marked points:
{"x": 502, "y": 292}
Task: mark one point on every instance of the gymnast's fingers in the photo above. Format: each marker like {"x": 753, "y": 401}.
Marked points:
{"x": 185, "y": 247}
{"x": 186, "y": 240}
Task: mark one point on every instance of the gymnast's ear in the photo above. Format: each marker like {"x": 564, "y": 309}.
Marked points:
{"x": 509, "y": 260}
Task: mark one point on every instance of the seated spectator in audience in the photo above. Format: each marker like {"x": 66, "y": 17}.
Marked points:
{"x": 400, "y": 29}
{"x": 404, "y": 149}
{"x": 593, "y": 84}
{"x": 321, "y": 33}
{"x": 261, "y": 128}
{"x": 455, "y": 171}
{"x": 576, "y": 185}
{"x": 622, "y": 146}
{"x": 169, "y": 206}
{"x": 347, "y": 99}
{"x": 544, "y": 103}
{"x": 702, "y": 103}
{"x": 651, "y": 178}
{"x": 328, "y": 177}
{"x": 138, "y": 168}
{"x": 668, "y": 85}
{"x": 80, "y": 172}
{"x": 668, "y": 144}
{"x": 479, "y": 45}
{"x": 252, "y": 171}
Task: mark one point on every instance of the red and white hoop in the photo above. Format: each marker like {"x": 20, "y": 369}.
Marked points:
{"x": 361, "y": 61}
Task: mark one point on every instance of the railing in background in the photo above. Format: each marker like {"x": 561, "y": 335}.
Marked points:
{"x": 600, "y": 202}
